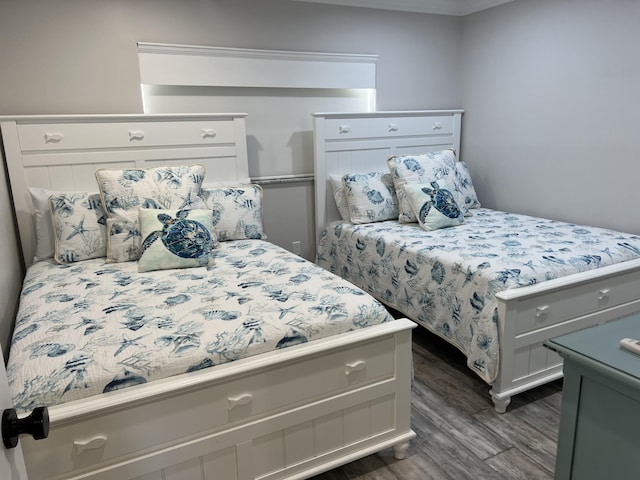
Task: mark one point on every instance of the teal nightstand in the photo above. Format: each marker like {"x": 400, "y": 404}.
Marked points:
{"x": 599, "y": 434}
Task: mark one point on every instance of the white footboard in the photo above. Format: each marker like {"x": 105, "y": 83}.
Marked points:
{"x": 528, "y": 316}
{"x": 287, "y": 414}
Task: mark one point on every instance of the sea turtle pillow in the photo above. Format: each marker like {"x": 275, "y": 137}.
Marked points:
{"x": 124, "y": 191}
{"x": 371, "y": 197}
{"x": 423, "y": 168}
{"x": 175, "y": 239}
{"x": 79, "y": 226}
{"x": 434, "y": 205}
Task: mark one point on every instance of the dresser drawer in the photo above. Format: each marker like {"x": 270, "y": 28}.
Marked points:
{"x": 337, "y": 128}
{"x": 69, "y": 136}
{"x": 432, "y": 125}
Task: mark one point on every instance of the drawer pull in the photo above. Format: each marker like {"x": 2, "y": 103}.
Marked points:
{"x": 94, "y": 443}
{"x": 603, "y": 294}
{"x": 136, "y": 134}
{"x": 393, "y": 127}
{"x": 52, "y": 137}
{"x": 208, "y": 132}
{"x": 541, "y": 312}
{"x": 358, "y": 366}
{"x": 240, "y": 400}
{"x": 437, "y": 126}
{"x": 344, "y": 129}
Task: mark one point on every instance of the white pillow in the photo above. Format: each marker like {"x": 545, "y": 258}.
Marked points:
{"x": 371, "y": 197}
{"x": 434, "y": 205}
{"x": 337, "y": 188}
{"x": 45, "y": 241}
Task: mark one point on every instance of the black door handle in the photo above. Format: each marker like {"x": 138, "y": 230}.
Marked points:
{"x": 36, "y": 425}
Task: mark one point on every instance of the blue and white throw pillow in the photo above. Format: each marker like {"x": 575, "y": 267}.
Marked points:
{"x": 424, "y": 168}
{"x": 434, "y": 205}
{"x": 79, "y": 225}
{"x": 464, "y": 185}
{"x": 176, "y": 239}
{"x": 237, "y": 211}
{"x": 125, "y": 191}
{"x": 337, "y": 187}
{"x": 371, "y": 197}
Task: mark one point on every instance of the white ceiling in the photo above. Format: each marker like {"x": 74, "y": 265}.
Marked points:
{"x": 442, "y": 7}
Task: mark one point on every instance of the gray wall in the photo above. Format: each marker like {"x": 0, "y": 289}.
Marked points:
{"x": 80, "y": 56}
{"x": 551, "y": 97}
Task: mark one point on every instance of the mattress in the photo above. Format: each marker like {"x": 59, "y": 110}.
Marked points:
{"x": 92, "y": 327}
{"x": 447, "y": 279}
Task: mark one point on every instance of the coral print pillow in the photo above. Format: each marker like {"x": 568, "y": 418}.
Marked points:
{"x": 434, "y": 205}
{"x": 424, "y": 168}
{"x": 175, "y": 239}
{"x": 79, "y": 224}
{"x": 237, "y": 211}
{"x": 371, "y": 197}
{"x": 125, "y": 191}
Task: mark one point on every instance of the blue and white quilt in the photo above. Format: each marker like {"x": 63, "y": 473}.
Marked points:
{"x": 91, "y": 327}
{"x": 447, "y": 279}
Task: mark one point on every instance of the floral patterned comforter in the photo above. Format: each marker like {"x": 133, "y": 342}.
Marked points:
{"x": 91, "y": 327}
{"x": 447, "y": 279}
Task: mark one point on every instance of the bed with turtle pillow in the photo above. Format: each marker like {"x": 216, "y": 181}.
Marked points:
{"x": 162, "y": 329}
{"x": 398, "y": 215}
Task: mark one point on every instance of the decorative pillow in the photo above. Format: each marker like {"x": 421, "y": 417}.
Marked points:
{"x": 45, "y": 240}
{"x": 337, "y": 187}
{"x": 465, "y": 186}
{"x": 124, "y": 191}
{"x": 371, "y": 197}
{"x": 176, "y": 239}
{"x": 237, "y": 211}
{"x": 80, "y": 226}
{"x": 434, "y": 205}
{"x": 423, "y": 168}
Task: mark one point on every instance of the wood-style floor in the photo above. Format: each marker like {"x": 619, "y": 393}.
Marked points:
{"x": 459, "y": 434}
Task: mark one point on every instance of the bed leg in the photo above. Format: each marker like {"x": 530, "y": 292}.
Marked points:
{"x": 500, "y": 402}
{"x": 400, "y": 450}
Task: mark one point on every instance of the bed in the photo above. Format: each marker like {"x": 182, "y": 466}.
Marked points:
{"x": 249, "y": 363}
{"x": 497, "y": 285}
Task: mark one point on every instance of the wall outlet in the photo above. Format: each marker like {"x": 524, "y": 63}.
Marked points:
{"x": 295, "y": 247}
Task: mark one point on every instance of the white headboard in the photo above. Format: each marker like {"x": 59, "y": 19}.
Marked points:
{"x": 62, "y": 152}
{"x": 362, "y": 142}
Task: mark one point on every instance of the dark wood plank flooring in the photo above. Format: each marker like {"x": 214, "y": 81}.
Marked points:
{"x": 459, "y": 434}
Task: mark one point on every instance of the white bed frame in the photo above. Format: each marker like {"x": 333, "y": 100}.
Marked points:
{"x": 287, "y": 414}
{"x": 362, "y": 142}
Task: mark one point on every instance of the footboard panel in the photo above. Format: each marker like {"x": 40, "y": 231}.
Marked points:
{"x": 528, "y": 316}
{"x": 286, "y": 414}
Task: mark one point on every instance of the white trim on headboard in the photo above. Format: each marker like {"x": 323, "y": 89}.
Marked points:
{"x": 196, "y": 65}
{"x": 362, "y": 142}
{"x": 62, "y": 152}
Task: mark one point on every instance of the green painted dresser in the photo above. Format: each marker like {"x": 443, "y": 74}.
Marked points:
{"x": 599, "y": 435}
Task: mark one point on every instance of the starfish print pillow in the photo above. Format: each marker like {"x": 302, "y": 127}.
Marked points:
{"x": 79, "y": 224}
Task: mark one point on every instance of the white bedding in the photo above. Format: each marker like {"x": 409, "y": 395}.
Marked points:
{"x": 447, "y": 279}
{"x": 92, "y": 327}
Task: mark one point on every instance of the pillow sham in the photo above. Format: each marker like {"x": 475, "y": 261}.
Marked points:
{"x": 424, "y": 168}
{"x": 42, "y": 223}
{"x": 79, "y": 223}
{"x": 123, "y": 192}
{"x": 465, "y": 186}
{"x": 175, "y": 239}
{"x": 434, "y": 205}
{"x": 237, "y": 211}
{"x": 337, "y": 187}
{"x": 371, "y": 197}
